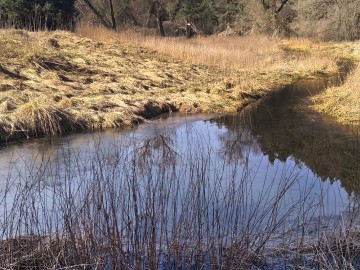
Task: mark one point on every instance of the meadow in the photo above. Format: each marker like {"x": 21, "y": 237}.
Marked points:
{"x": 53, "y": 82}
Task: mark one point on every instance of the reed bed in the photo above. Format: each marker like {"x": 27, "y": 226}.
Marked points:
{"x": 251, "y": 52}
{"x": 150, "y": 204}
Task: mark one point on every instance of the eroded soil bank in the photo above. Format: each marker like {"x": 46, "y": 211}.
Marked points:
{"x": 53, "y": 82}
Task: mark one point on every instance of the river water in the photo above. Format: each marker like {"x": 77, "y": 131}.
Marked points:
{"x": 276, "y": 165}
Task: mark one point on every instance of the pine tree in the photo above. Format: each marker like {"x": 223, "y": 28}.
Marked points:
{"x": 38, "y": 14}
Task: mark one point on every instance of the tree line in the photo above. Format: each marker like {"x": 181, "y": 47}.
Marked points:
{"x": 38, "y": 14}
{"x": 322, "y": 19}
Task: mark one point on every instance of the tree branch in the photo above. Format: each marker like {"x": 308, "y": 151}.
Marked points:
{"x": 98, "y": 14}
{"x": 283, "y": 3}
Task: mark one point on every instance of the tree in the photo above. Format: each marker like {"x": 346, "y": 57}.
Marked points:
{"x": 110, "y": 13}
{"x": 228, "y": 12}
{"x": 209, "y": 16}
{"x": 201, "y": 13}
{"x": 328, "y": 20}
{"x": 160, "y": 14}
{"x": 273, "y": 8}
{"x": 98, "y": 13}
{"x": 38, "y": 14}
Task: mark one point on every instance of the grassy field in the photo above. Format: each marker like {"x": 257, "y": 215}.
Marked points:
{"x": 51, "y": 82}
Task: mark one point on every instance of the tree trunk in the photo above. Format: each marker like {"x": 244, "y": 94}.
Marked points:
{"x": 160, "y": 26}
{"x": 97, "y": 14}
{"x": 113, "y": 21}
{"x": 159, "y": 12}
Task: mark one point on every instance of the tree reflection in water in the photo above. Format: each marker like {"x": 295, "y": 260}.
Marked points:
{"x": 234, "y": 192}
{"x": 283, "y": 126}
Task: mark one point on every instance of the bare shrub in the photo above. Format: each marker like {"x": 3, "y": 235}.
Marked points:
{"x": 149, "y": 205}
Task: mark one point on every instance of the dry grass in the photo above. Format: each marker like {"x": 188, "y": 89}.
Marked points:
{"x": 254, "y": 52}
{"x": 106, "y": 79}
{"x": 342, "y": 102}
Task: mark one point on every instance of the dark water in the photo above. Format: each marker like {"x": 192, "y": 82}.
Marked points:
{"x": 286, "y": 126}
{"x": 213, "y": 179}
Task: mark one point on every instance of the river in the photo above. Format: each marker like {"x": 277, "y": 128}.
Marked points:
{"x": 197, "y": 180}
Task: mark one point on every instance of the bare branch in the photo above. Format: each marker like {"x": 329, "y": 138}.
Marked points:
{"x": 283, "y": 3}
{"x": 98, "y": 14}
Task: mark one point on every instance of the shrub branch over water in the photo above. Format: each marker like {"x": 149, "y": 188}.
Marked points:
{"x": 152, "y": 204}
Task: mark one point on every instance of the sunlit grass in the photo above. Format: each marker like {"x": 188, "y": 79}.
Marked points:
{"x": 107, "y": 79}
{"x": 253, "y": 52}
{"x": 342, "y": 102}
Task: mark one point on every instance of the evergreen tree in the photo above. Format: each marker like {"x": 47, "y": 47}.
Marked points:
{"x": 211, "y": 15}
{"x": 200, "y": 13}
{"x": 38, "y": 14}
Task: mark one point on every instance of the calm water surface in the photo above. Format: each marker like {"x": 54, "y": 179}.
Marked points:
{"x": 279, "y": 145}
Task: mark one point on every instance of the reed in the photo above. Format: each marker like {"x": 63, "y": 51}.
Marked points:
{"x": 153, "y": 205}
{"x": 342, "y": 101}
{"x": 251, "y": 52}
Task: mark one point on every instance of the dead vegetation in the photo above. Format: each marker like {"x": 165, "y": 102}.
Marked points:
{"x": 161, "y": 204}
{"x": 57, "y": 81}
{"x": 342, "y": 102}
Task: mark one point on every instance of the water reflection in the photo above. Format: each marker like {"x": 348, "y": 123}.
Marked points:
{"x": 187, "y": 184}
{"x": 268, "y": 143}
{"x": 284, "y": 126}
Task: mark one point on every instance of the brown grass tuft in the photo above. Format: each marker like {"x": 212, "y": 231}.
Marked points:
{"x": 7, "y": 106}
{"x": 342, "y": 102}
{"x": 38, "y": 118}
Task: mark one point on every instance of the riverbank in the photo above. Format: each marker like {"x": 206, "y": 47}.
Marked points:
{"x": 52, "y": 82}
{"x": 342, "y": 102}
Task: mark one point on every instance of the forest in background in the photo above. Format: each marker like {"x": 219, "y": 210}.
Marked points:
{"x": 319, "y": 19}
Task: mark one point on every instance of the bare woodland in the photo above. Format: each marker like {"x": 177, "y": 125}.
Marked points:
{"x": 324, "y": 20}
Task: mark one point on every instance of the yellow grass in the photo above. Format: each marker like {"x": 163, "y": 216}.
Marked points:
{"x": 254, "y": 52}
{"x": 342, "y": 102}
{"x": 97, "y": 78}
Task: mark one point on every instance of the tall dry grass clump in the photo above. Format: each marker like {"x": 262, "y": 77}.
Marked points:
{"x": 342, "y": 102}
{"x": 19, "y": 44}
{"x": 225, "y": 52}
{"x": 39, "y": 118}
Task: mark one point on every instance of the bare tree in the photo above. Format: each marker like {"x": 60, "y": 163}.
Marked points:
{"x": 160, "y": 14}
{"x": 101, "y": 17}
{"x": 113, "y": 21}
{"x": 273, "y": 9}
